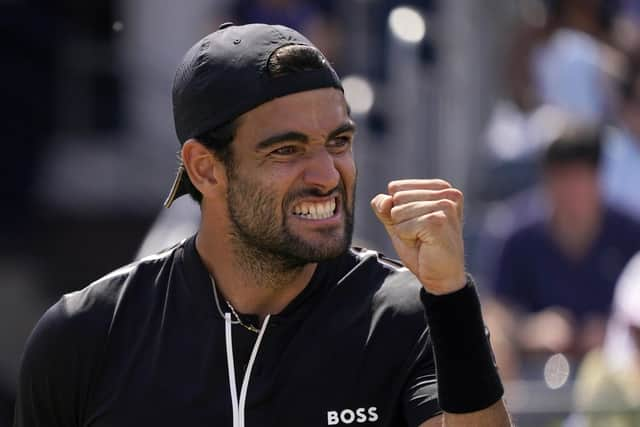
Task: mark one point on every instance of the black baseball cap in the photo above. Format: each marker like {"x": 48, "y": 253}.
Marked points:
{"x": 225, "y": 74}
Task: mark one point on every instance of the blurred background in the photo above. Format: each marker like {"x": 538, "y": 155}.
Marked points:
{"x": 532, "y": 107}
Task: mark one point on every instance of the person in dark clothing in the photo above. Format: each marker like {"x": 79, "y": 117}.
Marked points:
{"x": 266, "y": 316}
{"x": 558, "y": 274}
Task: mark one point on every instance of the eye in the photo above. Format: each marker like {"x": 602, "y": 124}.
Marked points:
{"x": 340, "y": 142}
{"x": 285, "y": 150}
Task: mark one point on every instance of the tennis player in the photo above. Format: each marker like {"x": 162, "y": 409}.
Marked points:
{"x": 266, "y": 316}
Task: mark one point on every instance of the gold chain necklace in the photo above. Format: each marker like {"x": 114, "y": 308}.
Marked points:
{"x": 233, "y": 311}
{"x": 244, "y": 325}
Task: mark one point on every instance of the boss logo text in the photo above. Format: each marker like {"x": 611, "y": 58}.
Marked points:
{"x": 350, "y": 416}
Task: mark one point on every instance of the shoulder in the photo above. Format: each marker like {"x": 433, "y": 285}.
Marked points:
{"x": 622, "y": 228}
{"x": 621, "y": 220}
{"x": 375, "y": 264}
{"x": 525, "y": 237}
{"x": 66, "y": 352}
{"x": 386, "y": 281}
{"x": 81, "y": 319}
{"x": 380, "y": 298}
{"x": 105, "y": 293}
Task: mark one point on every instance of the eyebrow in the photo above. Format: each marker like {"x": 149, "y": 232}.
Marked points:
{"x": 348, "y": 126}
{"x": 287, "y": 136}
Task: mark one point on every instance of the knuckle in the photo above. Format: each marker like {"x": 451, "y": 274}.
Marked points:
{"x": 394, "y": 185}
{"x": 398, "y": 197}
{"x": 391, "y": 187}
{"x": 396, "y": 213}
{"x": 455, "y": 194}
{"x": 443, "y": 183}
{"x": 447, "y": 205}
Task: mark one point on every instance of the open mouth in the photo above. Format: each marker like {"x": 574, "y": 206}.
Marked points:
{"x": 315, "y": 210}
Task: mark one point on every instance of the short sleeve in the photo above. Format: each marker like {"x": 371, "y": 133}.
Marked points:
{"x": 56, "y": 369}
{"x": 421, "y": 391}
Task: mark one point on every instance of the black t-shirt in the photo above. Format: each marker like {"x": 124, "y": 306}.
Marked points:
{"x": 148, "y": 345}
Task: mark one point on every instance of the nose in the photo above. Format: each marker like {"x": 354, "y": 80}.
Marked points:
{"x": 321, "y": 172}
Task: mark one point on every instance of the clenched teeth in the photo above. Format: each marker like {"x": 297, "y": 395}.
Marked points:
{"x": 321, "y": 210}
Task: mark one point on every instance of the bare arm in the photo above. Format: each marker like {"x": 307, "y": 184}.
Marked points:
{"x": 424, "y": 221}
{"x": 494, "y": 416}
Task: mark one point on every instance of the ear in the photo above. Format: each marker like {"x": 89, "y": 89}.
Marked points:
{"x": 204, "y": 169}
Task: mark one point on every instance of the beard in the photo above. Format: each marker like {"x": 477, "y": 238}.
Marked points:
{"x": 264, "y": 242}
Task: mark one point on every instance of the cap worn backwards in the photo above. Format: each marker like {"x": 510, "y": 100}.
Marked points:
{"x": 225, "y": 74}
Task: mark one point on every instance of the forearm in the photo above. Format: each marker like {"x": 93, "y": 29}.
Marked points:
{"x": 424, "y": 220}
{"x": 469, "y": 388}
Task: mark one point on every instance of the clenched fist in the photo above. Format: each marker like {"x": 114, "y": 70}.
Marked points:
{"x": 424, "y": 220}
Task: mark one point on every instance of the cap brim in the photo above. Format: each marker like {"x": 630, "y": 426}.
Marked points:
{"x": 177, "y": 188}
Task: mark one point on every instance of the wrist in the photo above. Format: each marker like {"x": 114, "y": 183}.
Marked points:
{"x": 448, "y": 286}
{"x": 465, "y": 367}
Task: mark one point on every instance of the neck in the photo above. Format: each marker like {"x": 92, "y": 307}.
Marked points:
{"x": 575, "y": 238}
{"x": 251, "y": 281}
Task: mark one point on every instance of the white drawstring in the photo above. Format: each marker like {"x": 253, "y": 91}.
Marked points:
{"x": 247, "y": 374}
{"x": 239, "y": 407}
{"x": 231, "y": 369}
{"x": 238, "y": 410}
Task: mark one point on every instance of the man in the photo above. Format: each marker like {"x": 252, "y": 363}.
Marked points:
{"x": 559, "y": 272}
{"x": 266, "y": 317}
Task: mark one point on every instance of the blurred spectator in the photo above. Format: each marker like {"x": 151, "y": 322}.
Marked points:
{"x": 557, "y": 65}
{"x": 573, "y": 69}
{"x": 621, "y": 162}
{"x": 512, "y": 135}
{"x": 608, "y": 382}
{"x": 626, "y": 27}
{"x": 557, "y": 275}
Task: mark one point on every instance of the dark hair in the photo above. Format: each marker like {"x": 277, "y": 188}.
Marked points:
{"x": 219, "y": 142}
{"x": 577, "y": 143}
{"x": 295, "y": 58}
{"x": 285, "y": 60}
{"x": 604, "y": 10}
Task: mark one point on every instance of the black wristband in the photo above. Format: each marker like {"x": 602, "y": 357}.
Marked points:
{"x": 468, "y": 379}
